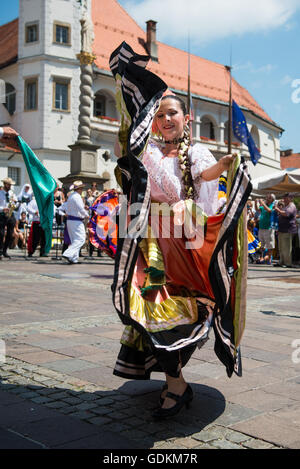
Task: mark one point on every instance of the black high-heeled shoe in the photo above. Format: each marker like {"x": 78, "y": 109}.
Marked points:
{"x": 162, "y": 399}
{"x": 184, "y": 400}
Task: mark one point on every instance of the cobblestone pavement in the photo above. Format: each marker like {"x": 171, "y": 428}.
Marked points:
{"x": 61, "y": 337}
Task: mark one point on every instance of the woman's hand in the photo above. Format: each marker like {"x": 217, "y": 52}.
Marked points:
{"x": 226, "y": 161}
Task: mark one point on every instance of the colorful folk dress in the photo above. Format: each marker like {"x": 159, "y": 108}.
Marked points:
{"x": 180, "y": 266}
{"x": 171, "y": 300}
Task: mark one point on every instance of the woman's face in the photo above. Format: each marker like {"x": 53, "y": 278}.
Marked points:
{"x": 170, "y": 119}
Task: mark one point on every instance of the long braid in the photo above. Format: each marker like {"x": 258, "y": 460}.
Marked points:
{"x": 183, "y": 154}
{"x": 185, "y": 165}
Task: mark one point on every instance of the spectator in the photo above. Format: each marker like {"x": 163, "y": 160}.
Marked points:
{"x": 8, "y": 202}
{"x": 37, "y": 234}
{"x": 287, "y": 227}
{"x": 89, "y": 198}
{"x": 24, "y": 197}
{"x": 59, "y": 199}
{"x": 298, "y": 225}
{"x": 93, "y": 188}
{"x": 250, "y": 210}
{"x": 266, "y": 233}
{"x": 21, "y": 230}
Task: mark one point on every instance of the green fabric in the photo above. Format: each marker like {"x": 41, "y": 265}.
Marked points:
{"x": 43, "y": 186}
{"x": 265, "y": 217}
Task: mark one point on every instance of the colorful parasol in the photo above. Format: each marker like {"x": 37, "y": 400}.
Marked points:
{"x": 102, "y": 225}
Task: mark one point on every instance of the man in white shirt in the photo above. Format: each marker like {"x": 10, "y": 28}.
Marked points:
{"x": 76, "y": 213}
{"x": 8, "y": 202}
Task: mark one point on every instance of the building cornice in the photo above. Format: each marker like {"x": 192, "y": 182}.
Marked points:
{"x": 49, "y": 58}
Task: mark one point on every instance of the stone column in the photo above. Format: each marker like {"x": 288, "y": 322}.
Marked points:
{"x": 198, "y": 128}
{"x": 84, "y": 152}
{"x": 86, "y": 82}
{"x": 222, "y": 133}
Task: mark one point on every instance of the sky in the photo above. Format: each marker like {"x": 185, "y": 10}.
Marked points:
{"x": 261, "y": 36}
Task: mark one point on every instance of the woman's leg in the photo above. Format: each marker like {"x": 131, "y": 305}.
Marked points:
{"x": 176, "y": 386}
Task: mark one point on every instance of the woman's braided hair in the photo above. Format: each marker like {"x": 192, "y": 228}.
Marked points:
{"x": 183, "y": 154}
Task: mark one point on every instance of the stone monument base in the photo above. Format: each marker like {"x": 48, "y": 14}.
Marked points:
{"x": 84, "y": 165}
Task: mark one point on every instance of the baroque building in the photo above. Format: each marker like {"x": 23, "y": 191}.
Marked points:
{"x": 41, "y": 70}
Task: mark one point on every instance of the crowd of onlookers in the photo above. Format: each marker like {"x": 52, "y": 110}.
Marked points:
{"x": 24, "y": 216}
{"x": 276, "y": 225}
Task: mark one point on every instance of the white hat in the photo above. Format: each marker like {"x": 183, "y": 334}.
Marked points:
{"x": 8, "y": 181}
{"x": 76, "y": 185}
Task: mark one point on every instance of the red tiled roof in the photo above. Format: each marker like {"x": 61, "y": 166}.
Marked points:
{"x": 9, "y": 43}
{"x": 291, "y": 161}
{"x": 113, "y": 25}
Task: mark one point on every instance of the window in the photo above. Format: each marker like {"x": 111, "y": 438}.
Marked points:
{"x": 99, "y": 105}
{"x": 10, "y": 94}
{"x": 61, "y": 94}
{"x": 207, "y": 128}
{"x": 14, "y": 174}
{"x": 31, "y": 94}
{"x": 62, "y": 34}
{"x": 31, "y": 33}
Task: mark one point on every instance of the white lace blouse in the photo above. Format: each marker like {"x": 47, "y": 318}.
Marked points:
{"x": 166, "y": 177}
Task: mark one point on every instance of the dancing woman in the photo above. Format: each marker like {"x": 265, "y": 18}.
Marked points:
{"x": 167, "y": 291}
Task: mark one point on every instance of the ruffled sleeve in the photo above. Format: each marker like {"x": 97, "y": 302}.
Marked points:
{"x": 201, "y": 159}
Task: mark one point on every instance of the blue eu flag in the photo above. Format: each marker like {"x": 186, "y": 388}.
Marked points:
{"x": 240, "y": 130}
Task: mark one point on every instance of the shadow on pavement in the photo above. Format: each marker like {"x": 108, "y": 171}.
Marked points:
{"x": 39, "y": 417}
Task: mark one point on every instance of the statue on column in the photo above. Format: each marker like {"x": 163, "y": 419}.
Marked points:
{"x": 87, "y": 34}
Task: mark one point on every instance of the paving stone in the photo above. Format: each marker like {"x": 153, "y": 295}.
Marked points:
{"x": 235, "y": 437}
{"x": 224, "y": 444}
{"x": 187, "y": 442}
{"x": 72, "y": 400}
{"x": 206, "y": 436}
{"x": 83, "y": 415}
{"x": 257, "y": 444}
{"x": 273, "y": 429}
{"x": 99, "y": 420}
{"x": 85, "y": 406}
{"x": 69, "y": 366}
{"x": 57, "y": 405}
{"x": 135, "y": 422}
{"x": 205, "y": 446}
{"x": 102, "y": 410}
{"x": 42, "y": 400}
{"x": 29, "y": 395}
{"x": 116, "y": 427}
{"x": 104, "y": 401}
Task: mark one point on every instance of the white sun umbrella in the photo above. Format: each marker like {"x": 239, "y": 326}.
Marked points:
{"x": 287, "y": 180}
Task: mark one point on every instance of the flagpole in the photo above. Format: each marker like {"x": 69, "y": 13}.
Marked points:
{"x": 189, "y": 77}
{"x": 229, "y": 68}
